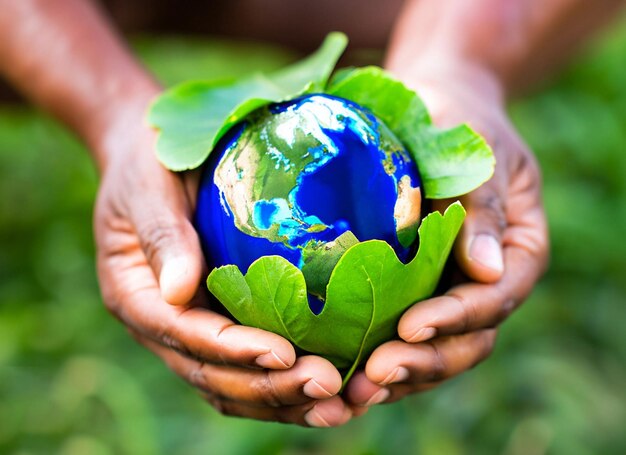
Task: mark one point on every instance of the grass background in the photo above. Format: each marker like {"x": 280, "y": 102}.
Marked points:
{"x": 73, "y": 382}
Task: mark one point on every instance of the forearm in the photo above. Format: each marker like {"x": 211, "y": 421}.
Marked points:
{"x": 517, "y": 41}
{"x": 64, "y": 56}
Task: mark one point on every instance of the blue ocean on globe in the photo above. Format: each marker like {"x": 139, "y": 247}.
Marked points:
{"x": 299, "y": 174}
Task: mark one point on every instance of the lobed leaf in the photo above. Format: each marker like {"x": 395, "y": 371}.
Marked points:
{"x": 368, "y": 291}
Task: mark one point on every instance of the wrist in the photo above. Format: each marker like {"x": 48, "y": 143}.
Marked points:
{"x": 112, "y": 130}
{"x": 481, "y": 39}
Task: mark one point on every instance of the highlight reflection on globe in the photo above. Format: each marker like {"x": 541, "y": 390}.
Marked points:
{"x": 301, "y": 173}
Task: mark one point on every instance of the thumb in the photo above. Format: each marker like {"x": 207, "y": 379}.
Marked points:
{"x": 172, "y": 248}
{"x": 479, "y": 247}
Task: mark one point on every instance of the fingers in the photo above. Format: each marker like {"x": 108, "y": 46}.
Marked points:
{"x": 131, "y": 293}
{"x": 397, "y": 362}
{"x": 397, "y": 368}
{"x": 310, "y": 377}
{"x": 196, "y": 332}
{"x": 362, "y": 393}
{"x": 322, "y": 414}
{"x": 284, "y": 396}
{"x": 473, "y": 306}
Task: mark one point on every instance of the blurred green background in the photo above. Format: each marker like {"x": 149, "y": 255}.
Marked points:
{"x": 73, "y": 382}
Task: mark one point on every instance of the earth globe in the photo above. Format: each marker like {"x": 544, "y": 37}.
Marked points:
{"x": 298, "y": 174}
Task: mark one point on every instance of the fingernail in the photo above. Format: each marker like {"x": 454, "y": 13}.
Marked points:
{"x": 314, "y": 419}
{"x": 423, "y": 334}
{"x": 486, "y": 250}
{"x": 314, "y": 390}
{"x": 398, "y": 375}
{"x": 270, "y": 360}
{"x": 378, "y": 397}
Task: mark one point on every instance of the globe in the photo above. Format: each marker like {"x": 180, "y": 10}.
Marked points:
{"x": 301, "y": 173}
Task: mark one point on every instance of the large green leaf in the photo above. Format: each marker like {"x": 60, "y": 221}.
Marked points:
{"x": 368, "y": 291}
{"x": 193, "y": 116}
{"x": 451, "y": 162}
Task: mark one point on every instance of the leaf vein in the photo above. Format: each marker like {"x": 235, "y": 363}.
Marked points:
{"x": 367, "y": 331}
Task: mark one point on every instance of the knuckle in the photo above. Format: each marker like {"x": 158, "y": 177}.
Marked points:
{"x": 198, "y": 378}
{"x": 499, "y": 304}
{"x": 170, "y": 336}
{"x": 266, "y": 390}
{"x": 438, "y": 367}
{"x": 221, "y": 341}
{"x": 467, "y": 310}
{"x": 490, "y": 204}
{"x": 166, "y": 333}
{"x": 157, "y": 234}
{"x": 175, "y": 344}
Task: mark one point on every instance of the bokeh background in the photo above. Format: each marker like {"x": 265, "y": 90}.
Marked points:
{"x": 73, "y": 382}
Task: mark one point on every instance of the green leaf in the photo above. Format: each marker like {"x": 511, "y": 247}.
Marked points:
{"x": 193, "y": 116}
{"x": 451, "y": 162}
{"x": 261, "y": 298}
{"x": 368, "y": 291}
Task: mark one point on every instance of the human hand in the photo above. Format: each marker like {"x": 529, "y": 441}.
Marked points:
{"x": 150, "y": 266}
{"x": 502, "y": 249}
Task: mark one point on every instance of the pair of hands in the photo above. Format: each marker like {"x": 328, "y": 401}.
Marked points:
{"x": 150, "y": 268}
